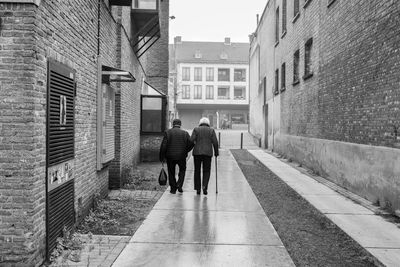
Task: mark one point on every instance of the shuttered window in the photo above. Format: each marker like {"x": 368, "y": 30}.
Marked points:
{"x": 60, "y": 117}
{"x": 108, "y": 123}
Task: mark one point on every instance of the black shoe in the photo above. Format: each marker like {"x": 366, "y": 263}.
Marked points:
{"x": 173, "y": 191}
{"x": 180, "y": 189}
{"x": 198, "y": 192}
{"x": 205, "y": 191}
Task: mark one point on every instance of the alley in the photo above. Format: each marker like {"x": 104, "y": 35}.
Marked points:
{"x": 225, "y": 229}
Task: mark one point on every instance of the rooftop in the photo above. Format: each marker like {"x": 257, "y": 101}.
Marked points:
{"x": 211, "y": 52}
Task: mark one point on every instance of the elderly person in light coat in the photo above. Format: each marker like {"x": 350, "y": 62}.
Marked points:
{"x": 205, "y": 140}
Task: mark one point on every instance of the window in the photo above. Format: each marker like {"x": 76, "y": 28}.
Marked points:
{"x": 223, "y": 92}
{"x": 223, "y": 75}
{"x": 197, "y": 54}
{"x": 276, "y": 89}
{"x": 197, "y": 74}
{"x": 239, "y": 92}
{"x": 197, "y": 91}
{"x": 283, "y": 77}
{"x": 296, "y": 10}
{"x": 330, "y": 2}
{"x": 239, "y": 75}
{"x": 308, "y": 59}
{"x": 185, "y": 91}
{"x": 237, "y": 118}
{"x": 209, "y": 92}
{"x": 296, "y": 62}
{"x": 277, "y": 26}
{"x": 185, "y": 74}
{"x": 153, "y": 114}
{"x": 209, "y": 74}
{"x": 284, "y": 15}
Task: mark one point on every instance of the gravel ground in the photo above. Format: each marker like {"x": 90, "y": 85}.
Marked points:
{"x": 310, "y": 238}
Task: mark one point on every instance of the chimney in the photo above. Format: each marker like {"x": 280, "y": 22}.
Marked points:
{"x": 178, "y": 40}
{"x": 227, "y": 41}
{"x": 258, "y": 19}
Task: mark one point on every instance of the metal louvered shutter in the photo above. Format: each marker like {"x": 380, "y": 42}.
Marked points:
{"x": 60, "y": 210}
{"x": 60, "y": 118}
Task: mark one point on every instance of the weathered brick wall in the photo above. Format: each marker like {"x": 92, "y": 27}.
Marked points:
{"x": 22, "y": 138}
{"x": 354, "y": 93}
{"x": 359, "y": 95}
{"x": 156, "y": 58}
{"x": 299, "y": 112}
{"x": 30, "y": 36}
{"x": 128, "y": 146}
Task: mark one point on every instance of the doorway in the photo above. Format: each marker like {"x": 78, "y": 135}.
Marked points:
{"x": 266, "y": 126}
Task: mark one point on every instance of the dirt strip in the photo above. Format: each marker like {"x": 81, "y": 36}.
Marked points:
{"x": 310, "y": 238}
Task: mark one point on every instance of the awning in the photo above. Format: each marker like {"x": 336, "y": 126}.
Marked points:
{"x": 110, "y": 74}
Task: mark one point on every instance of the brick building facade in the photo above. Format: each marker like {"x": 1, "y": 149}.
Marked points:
{"x": 76, "y": 37}
{"x": 328, "y": 76}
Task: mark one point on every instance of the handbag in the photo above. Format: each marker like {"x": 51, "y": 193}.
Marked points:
{"x": 162, "y": 178}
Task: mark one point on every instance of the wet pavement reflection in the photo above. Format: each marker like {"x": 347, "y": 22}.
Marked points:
{"x": 225, "y": 229}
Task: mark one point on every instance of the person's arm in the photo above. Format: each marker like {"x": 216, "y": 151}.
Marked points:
{"x": 214, "y": 141}
{"x": 163, "y": 148}
{"x": 194, "y": 136}
{"x": 190, "y": 144}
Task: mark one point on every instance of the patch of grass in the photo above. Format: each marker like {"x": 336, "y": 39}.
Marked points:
{"x": 121, "y": 216}
{"x": 145, "y": 177}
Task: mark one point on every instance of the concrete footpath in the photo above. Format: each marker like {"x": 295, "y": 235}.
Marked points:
{"x": 225, "y": 229}
{"x": 380, "y": 237}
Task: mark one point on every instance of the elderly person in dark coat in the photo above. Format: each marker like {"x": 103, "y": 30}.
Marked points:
{"x": 204, "y": 139}
{"x": 174, "y": 149}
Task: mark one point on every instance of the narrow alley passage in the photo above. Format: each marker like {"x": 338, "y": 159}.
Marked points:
{"x": 225, "y": 229}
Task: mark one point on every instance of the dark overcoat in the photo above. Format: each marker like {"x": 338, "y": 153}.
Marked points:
{"x": 204, "y": 139}
{"x": 175, "y": 145}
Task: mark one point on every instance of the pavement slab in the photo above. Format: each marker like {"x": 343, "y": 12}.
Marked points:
{"x": 225, "y": 229}
{"x": 378, "y": 236}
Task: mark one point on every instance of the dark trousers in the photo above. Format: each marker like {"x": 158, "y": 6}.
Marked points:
{"x": 206, "y": 161}
{"x": 171, "y": 173}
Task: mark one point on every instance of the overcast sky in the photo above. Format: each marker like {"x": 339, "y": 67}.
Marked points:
{"x": 213, "y": 20}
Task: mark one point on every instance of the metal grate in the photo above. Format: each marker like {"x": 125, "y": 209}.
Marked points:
{"x": 61, "y": 213}
{"x": 60, "y": 121}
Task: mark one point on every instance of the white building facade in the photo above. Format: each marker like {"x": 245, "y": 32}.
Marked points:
{"x": 212, "y": 81}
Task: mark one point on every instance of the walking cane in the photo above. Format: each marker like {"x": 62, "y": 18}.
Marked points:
{"x": 216, "y": 176}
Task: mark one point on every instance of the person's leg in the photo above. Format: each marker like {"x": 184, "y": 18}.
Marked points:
{"x": 171, "y": 175}
{"x": 197, "y": 168}
{"x": 206, "y": 172}
{"x": 181, "y": 175}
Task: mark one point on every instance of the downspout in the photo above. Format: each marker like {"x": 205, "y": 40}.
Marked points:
{"x": 273, "y": 96}
{"x": 98, "y": 28}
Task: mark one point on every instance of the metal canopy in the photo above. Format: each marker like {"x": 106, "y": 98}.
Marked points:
{"x": 121, "y": 2}
{"x": 110, "y": 74}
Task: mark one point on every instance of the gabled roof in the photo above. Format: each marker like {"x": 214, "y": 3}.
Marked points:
{"x": 211, "y": 52}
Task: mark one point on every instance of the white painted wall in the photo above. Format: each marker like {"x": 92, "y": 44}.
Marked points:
{"x": 231, "y": 84}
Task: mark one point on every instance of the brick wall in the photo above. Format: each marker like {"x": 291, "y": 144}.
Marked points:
{"x": 30, "y": 35}
{"x": 22, "y": 138}
{"x": 360, "y": 48}
{"x": 352, "y": 96}
{"x": 343, "y": 122}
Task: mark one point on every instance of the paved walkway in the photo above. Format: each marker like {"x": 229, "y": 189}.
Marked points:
{"x": 380, "y": 237}
{"x": 225, "y": 229}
